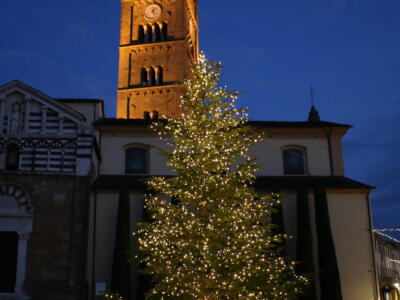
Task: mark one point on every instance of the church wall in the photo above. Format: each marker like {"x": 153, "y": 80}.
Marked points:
{"x": 337, "y": 156}
{"x": 349, "y": 223}
{"x": 115, "y": 147}
{"x": 351, "y": 230}
{"x": 56, "y": 247}
{"x": 91, "y": 109}
{"x": 268, "y": 153}
{"x": 289, "y": 208}
{"x": 106, "y": 220}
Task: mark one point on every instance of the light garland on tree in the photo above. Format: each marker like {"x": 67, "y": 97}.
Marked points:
{"x": 111, "y": 295}
{"x": 212, "y": 240}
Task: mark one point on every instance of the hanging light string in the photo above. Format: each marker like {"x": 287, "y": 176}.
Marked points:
{"x": 381, "y": 232}
{"x": 388, "y": 230}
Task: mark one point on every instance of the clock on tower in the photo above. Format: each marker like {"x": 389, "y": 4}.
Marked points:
{"x": 159, "y": 43}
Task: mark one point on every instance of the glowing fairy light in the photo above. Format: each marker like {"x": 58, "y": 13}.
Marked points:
{"x": 209, "y": 238}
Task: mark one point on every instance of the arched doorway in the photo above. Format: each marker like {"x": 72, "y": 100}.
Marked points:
{"x": 16, "y": 214}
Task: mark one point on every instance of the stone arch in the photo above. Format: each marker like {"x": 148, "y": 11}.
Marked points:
{"x": 16, "y": 216}
{"x": 14, "y": 197}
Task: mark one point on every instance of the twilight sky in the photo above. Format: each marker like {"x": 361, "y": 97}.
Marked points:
{"x": 273, "y": 50}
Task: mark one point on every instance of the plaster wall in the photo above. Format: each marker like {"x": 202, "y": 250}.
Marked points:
{"x": 91, "y": 111}
{"x": 349, "y": 216}
{"x": 113, "y": 153}
{"x": 349, "y": 223}
{"x": 106, "y": 220}
{"x": 269, "y": 155}
{"x": 268, "y": 152}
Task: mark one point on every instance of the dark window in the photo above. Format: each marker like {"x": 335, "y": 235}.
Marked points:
{"x": 146, "y": 115}
{"x": 143, "y": 77}
{"x": 157, "y": 33}
{"x": 149, "y": 34}
{"x": 136, "y": 160}
{"x": 141, "y": 34}
{"x": 294, "y": 162}
{"x": 12, "y": 157}
{"x": 160, "y": 75}
{"x": 8, "y": 261}
{"x": 164, "y": 32}
{"x": 155, "y": 115}
{"x": 152, "y": 77}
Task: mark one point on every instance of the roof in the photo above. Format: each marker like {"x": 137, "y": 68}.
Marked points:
{"x": 17, "y": 85}
{"x": 89, "y": 100}
{"x": 262, "y": 124}
{"x": 295, "y": 182}
{"x": 262, "y": 182}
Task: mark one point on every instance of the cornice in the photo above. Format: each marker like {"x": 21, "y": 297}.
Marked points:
{"x": 145, "y": 91}
{"x": 153, "y": 45}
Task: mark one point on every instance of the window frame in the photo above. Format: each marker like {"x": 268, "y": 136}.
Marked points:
{"x": 305, "y": 159}
{"x": 146, "y": 149}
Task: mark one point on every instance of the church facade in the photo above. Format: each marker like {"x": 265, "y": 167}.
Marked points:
{"x": 64, "y": 168}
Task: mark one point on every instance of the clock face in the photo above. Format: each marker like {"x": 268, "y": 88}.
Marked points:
{"x": 153, "y": 11}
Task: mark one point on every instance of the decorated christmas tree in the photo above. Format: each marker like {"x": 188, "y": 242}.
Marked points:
{"x": 210, "y": 235}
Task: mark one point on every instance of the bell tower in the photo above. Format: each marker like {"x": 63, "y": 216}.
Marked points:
{"x": 159, "y": 44}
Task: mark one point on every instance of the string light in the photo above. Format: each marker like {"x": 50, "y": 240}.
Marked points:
{"x": 388, "y": 230}
{"x": 111, "y": 295}
{"x": 209, "y": 237}
{"x": 381, "y": 232}
{"x": 395, "y": 261}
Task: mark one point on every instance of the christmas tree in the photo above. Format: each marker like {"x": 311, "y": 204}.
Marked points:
{"x": 210, "y": 237}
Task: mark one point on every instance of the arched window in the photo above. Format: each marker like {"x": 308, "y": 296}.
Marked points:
{"x": 164, "y": 32}
{"x": 149, "y": 34}
{"x": 160, "y": 76}
{"x": 136, "y": 160}
{"x": 294, "y": 161}
{"x": 157, "y": 33}
{"x": 152, "y": 77}
{"x": 143, "y": 77}
{"x": 141, "y": 34}
{"x": 154, "y": 114}
{"x": 146, "y": 115}
{"x": 12, "y": 157}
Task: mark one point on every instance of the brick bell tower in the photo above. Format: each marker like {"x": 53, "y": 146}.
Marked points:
{"x": 159, "y": 43}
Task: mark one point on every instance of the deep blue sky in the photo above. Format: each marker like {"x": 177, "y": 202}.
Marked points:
{"x": 349, "y": 50}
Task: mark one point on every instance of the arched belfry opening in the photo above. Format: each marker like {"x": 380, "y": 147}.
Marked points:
{"x": 141, "y": 34}
{"x": 164, "y": 32}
